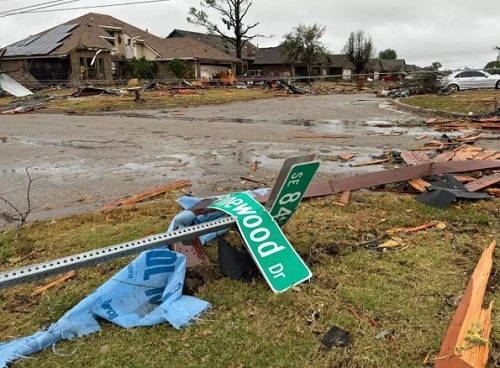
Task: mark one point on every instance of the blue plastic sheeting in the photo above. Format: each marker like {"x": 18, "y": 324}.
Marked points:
{"x": 146, "y": 292}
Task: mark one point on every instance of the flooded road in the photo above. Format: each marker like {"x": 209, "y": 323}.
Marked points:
{"x": 81, "y": 162}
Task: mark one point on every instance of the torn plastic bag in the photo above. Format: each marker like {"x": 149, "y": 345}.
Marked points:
{"x": 146, "y": 292}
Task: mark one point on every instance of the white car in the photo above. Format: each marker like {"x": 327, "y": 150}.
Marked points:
{"x": 471, "y": 79}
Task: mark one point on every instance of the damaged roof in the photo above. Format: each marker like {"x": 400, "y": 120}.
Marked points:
{"x": 217, "y": 42}
{"x": 89, "y": 32}
{"x": 269, "y": 55}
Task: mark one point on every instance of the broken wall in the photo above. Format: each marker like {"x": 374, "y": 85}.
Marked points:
{"x": 277, "y": 70}
{"x": 104, "y": 75}
{"x": 164, "y": 72}
{"x": 19, "y": 71}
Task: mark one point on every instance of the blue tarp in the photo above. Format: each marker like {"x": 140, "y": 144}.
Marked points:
{"x": 146, "y": 292}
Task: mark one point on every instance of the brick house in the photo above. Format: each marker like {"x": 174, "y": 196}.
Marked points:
{"x": 94, "y": 48}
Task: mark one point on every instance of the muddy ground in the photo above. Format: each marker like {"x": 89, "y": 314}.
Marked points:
{"x": 81, "y": 162}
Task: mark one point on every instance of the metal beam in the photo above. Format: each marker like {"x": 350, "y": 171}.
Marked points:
{"x": 93, "y": 257}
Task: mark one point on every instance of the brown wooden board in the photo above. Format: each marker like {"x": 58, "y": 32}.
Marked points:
{"x": 414, "y": 158}
{"x": 482, "y": 183}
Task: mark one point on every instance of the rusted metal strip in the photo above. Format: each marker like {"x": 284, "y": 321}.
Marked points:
{"x": 482, "y": 183}
{"x": 414, "y": 158}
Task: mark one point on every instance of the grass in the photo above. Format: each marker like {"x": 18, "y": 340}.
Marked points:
{"x": 248, "y": 326}
{"x": 152, "y": 99}
{"x": 464, "y": 102}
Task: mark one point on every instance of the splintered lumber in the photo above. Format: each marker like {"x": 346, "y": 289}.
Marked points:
{"x": 482, "y": 183}
{"x": 484, "y": 155}
{"x": 148, "y": 194}
{"x": 421, "y": 137}
{"x": 60, "y": 280}
{"x": 464, "y": 179}
{"x": 495, "y": 157}
{"x": 464, "y": 155}
{"x": 344, "y": 199}
{"x": 324, "y": 136}
{"x": 416, "y": 228}
{"x": 374, "y": 162}
{"x": 419, "y": 184}
{"x": 445, "y": 156}
{"x": 494, "y": 191}
{"x": 414, "y": 158}
{"x": 456, "y": 351}
{"x": 346, "y": 156}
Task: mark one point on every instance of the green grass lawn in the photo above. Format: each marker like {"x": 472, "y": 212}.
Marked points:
{"x": 406, "y": 290}
{"x": 464, "y": 102}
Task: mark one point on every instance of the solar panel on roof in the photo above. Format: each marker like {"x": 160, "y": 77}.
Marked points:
{"x": 41, "y": 44}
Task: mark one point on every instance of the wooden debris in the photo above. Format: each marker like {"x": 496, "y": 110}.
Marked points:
{"x": 414, "y": 158}
{"x": 463, "y": 155}
{"x": 437, "y": 224}
{"x": 3, "y": 138}
{"x": 374, "y": 162}
{"x": 254, "y": 166}
{"x": 457, "y": 351}
{"x": 421, "y": 137}
{"x": 346, "y": 156}
{"x": 344, "y": 199}
{"x": 494, "y": 191}
{"x": 485, "y": 154}
{"x": 60, "y": 280}
{"x": 445, "y": 156}
{"x": 147, "y": 194}
{"x": 482, "y": 183}
{"x": 464, "y": 179}
{"x": 323, "y": 136}
{"x": 419, "y": 184}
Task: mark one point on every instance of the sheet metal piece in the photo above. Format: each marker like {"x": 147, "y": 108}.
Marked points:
{"x": 77, "y": 261}
{"x": 11, "y": 86}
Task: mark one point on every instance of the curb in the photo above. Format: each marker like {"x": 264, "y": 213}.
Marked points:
{"x": 426, "y": 111}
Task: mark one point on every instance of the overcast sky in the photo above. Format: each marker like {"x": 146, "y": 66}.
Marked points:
{"x": 457, "y": 33}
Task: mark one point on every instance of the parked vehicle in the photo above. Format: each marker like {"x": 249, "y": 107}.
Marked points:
{"x": 471, "y": 79}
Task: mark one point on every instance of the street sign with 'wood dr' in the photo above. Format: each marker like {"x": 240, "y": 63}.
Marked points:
{"x": 278, "y": 262}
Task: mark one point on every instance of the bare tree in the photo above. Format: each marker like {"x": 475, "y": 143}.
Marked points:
{"x": 359, "y": 50}
{"x": 15, "y": 214}
{"x": 303, "y": 45}
{"x": 232, "y": 14}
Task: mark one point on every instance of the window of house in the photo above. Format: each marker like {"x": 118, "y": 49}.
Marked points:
{"x": 92, "y": 71}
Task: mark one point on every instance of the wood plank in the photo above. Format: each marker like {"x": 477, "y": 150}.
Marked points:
{"x": 482, "y": 183}
{"x": 147, "y": 194}
{"x": 346, "y": 156}
{"x": 463, "y": 155}
{"x": 464, "y": 179}
{"x": 494, "y": 191}
{"x": 419, "y": 184}
{"x": 414, "y": 158}
{"x": 485, "y": 154}
{"x": 445, "y": 156}
{"x": 324, "y": 136}
{"x": 46, "y": 287}
{"x": 374, "y": 162}
{"x": 469, "y": 311}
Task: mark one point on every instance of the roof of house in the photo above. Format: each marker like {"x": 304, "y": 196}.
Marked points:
{"x": 88, "y": 31}
{"x": 269, "y": 55}
{"x": 340, "y": 61}
{"x": 218, "y": 42}
{"x": 397, "y": 65}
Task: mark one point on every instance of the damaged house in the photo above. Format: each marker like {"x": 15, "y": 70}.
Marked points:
{"x": 96, "y": 47}
{"x": 272, "y": 61}
{"x": 220, "y": 43}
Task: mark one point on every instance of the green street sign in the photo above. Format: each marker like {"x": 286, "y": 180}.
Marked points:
{"x": 292, "y": 190}
{"x": 278, "y": 262}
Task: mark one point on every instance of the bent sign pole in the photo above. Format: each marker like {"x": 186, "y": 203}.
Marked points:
{"x": 278, "y": 262}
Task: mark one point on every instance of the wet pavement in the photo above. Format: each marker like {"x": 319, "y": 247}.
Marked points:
{"x": 81, "y": 162}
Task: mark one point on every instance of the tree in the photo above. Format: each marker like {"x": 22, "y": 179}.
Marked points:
{"x": 232, "y": 13}
{"x": 141, "y": 68}
{"x": 436, "y": 65}
{"x": 493, "y": 67}
{"x": 303, "y": 45}
{"x": 388, "y": 54}
{"x": 497, "y": 49}
{"x": 359, "y": 50}
{"x": 179, "y": 68}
